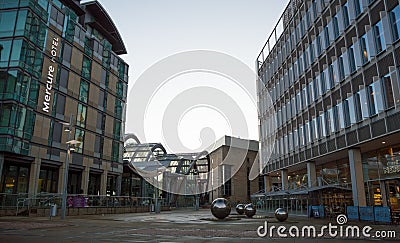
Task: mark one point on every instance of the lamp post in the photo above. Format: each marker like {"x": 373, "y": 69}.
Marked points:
{"x": 70, "y": 147}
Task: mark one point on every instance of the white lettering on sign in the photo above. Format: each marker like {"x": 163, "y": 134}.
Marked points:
{"x": 50, "y": 75}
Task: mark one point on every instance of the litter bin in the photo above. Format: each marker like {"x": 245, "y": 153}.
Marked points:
{"x": 53, "y": 210}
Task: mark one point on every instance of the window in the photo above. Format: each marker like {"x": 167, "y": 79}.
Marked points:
{"x": 117, "y": 129}
{"x": 104, "y": 78}
{"x": 318, "y": 45}
{"x": 327, "y": 79}
{"x": 315, "y": 129}
{"x": 20, "y": 27}
{"x": 56, "y": 18}
{"x": 98, "y": 145}
{"x": 352, "y": 63}
{"x": 351, "y": 110}
{"x": 375, "y": 98}
{"x": 7, "y": 22}
{"x": 341, "y": 68}
{"x": 5, "y": 52}
{"x": 84, "y": 91}
{"x": 118, "y": 109}
{"x": 48, "y": 180}
{"x": 345, "y": 11}
{"x": 335, "y": 27}
{"x": 395, "y": 21}
{"x": 379, "y": 37}
{"x": 67, "y": 52}
{"x": 79, "y": 136}
{"x": 101, "y": 121}
{"x": 346, "y": 111}
{"x": 388, "y": 91}
{"x": 15, "y": 179}
{"x": 310, "y": 92}
{"x": 364, "y": 104}
{"x": 333, "y": 73}
{"x": 340, "y": 115}
{"x": 55, "y": 132}
{"x": 60, "y": 105}
{"x": 63, "y": 80}
{"x": 81, "y": 115}
{"x": 327, "y": 41}
{"x": 115, "y": 151}
{"x": 86, "y": 67}
{"x": 365, "y": 53}
{"x": 358, "y": 4}
{"x": 323, "y": 125}
{"x": 331, "y": 121}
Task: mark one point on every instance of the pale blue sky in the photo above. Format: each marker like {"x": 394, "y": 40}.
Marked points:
{"x": 155, "y": 29}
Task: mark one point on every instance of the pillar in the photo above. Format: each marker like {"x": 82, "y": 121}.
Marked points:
{"x": 357, "y": 177}
{"x": 1, "y": 163}
{"x": 61, "y": 172}
{"x": 103, "y": 187}
{"x": 284, "y": 178}
{"x": 34, "y": 176}
{"x": 382, "y": 186}
{"x": 85, "y": 180}
{"x": 119, "y": 181}
{"x": 267, "y": 183}
{"x": 312, "y": 174}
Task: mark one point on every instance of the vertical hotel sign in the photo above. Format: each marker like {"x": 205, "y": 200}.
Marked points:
{"x": 50, "y": 73}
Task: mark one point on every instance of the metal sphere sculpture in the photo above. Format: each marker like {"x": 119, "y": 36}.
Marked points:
{"x": 220, "y": 208}
{"x": 249, "y": 210}
{"x": 281, "y": 214}
{"x": 240, "y": 209}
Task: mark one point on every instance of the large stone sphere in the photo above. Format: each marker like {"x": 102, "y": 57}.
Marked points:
{"x": 249, "y": 210}
{"x": 281, "y": 214}
{"x": 220, "y": 208}
{"x": 240, "y": 209}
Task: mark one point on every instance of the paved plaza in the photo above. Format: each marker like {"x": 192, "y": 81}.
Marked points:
{"x": 172, "y": 226}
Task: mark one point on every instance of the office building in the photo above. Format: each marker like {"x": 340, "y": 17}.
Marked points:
{"x": 332, "y": 71}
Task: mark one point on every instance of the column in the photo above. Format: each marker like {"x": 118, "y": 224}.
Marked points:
{"x": 382, "y": 186}
{"x": 312, "y": 174}
{"x": 1, "y": 163}
{"x": 34, "y": 176}
{"x": 357, "y": 177}
{"x": 85, "y": 180}
{"x": 103, "y": 187}
{"x": 119, "y": 181}
{"x": 61, "y": 172}
{"x": 284, "y": 177}
{"x": 267, "y": 183}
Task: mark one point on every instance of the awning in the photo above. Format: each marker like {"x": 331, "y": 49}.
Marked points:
{"x": 302, "y": 191}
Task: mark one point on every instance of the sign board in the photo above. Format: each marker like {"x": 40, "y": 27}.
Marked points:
{"x": 382, "y": 214}
{"x": 50, "y": 71}
{"x": 367, "y": 213}
{"x": 352, "y": 213}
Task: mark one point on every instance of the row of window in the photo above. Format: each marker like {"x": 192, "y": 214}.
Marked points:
{"x": 329, "y": 33}
{"x": 369, "y": 101}
{"x": 353, "y": 58}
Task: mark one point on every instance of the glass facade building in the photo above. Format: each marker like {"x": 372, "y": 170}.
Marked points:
{"x": 332, "y": 72}
{"x": 60, "y": 60}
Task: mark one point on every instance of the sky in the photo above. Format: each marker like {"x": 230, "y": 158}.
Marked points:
{"x": 155, "y": 29}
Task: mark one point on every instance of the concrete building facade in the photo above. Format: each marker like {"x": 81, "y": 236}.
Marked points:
{"x": 332, "y": 71}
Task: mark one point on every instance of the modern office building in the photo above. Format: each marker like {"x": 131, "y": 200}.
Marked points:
{"x": 59, "y": 59}
{"x": 332, "y": 71}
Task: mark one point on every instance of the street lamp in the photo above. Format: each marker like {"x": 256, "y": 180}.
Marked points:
{"x": 70, "y": 147}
